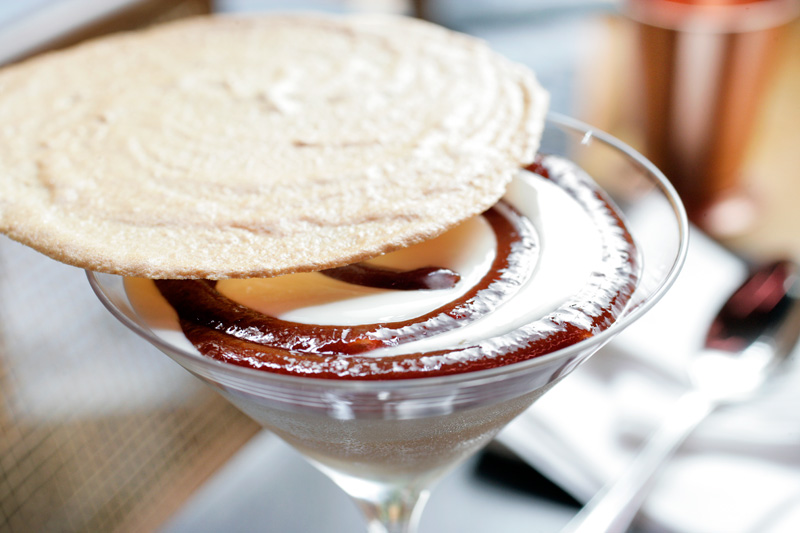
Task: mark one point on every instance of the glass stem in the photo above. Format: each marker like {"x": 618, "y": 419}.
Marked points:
{"x": 389, "y": 505}
{"x": 393, "y": 509}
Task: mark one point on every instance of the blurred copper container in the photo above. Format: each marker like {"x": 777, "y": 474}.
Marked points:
{"x": 705, "y": 67}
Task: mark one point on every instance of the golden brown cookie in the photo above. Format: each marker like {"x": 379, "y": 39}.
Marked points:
{"x": 242, "y": 147}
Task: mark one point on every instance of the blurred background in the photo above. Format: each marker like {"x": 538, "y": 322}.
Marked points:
{"x": 98, "y": 432}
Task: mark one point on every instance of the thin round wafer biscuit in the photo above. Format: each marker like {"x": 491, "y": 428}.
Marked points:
{"x": 242, "y": 147}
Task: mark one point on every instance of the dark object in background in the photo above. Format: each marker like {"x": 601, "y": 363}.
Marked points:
{"x": 505, "y": 469}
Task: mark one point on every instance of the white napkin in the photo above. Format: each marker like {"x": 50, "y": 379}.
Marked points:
{"x": 738, "y": 472}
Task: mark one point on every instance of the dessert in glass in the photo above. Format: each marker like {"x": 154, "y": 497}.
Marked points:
{"x": 341, "y": 224}
{"x": 386, "y": 418}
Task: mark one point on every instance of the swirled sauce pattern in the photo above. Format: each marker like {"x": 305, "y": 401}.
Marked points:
{"x": 481, "y": 328}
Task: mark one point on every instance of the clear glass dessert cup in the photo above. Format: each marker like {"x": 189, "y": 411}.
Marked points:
{"x": 386, "y": 442}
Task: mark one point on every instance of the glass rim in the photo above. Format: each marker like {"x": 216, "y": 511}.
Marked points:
{"x": 463, "y": 378}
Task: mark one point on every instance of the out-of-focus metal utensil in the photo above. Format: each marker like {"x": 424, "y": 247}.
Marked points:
{"x": 751, "y": 336}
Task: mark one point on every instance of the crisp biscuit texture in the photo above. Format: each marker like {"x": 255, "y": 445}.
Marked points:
{"x": 224, "y": 147}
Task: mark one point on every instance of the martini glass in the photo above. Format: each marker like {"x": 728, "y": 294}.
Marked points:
{"x": 387, "y": 442}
